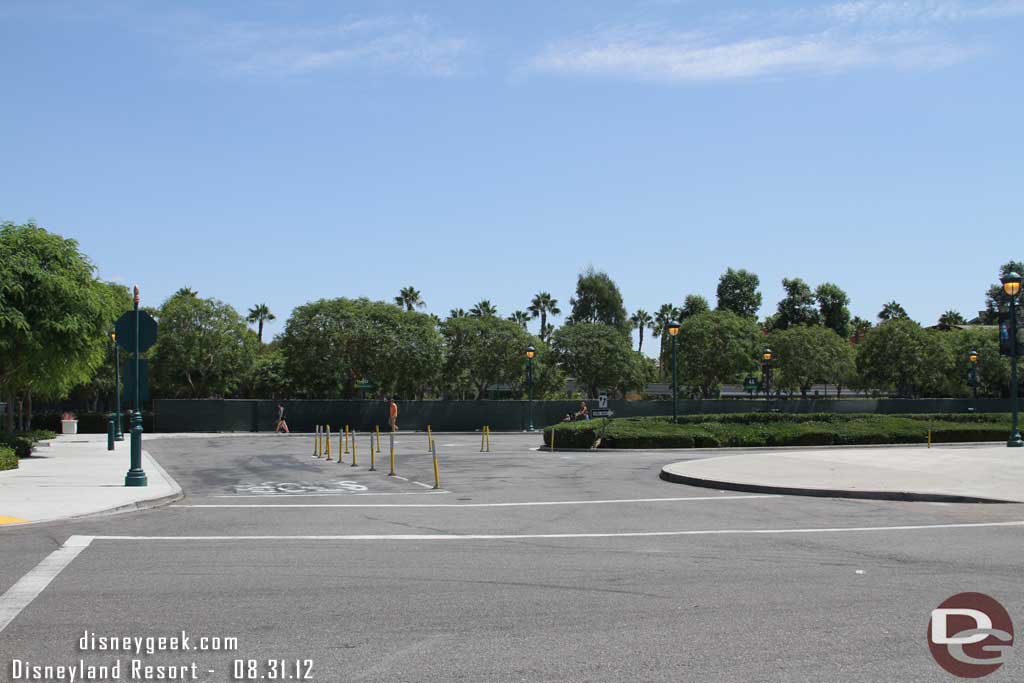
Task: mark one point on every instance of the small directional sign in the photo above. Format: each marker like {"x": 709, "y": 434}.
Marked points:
{"x": 125, "y": 329}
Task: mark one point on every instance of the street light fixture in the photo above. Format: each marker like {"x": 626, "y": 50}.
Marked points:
{"x": 672, "y": 327}
{"x": 972, "y": 375}
{"x": 530, "y": 353}
{"x": 766, "y": 372}
{"x": 1011, "y": 286}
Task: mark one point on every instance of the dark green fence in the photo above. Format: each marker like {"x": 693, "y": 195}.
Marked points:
{"x": 214, "y": 415}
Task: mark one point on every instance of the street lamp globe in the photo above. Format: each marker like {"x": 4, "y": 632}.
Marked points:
{"x": 973, "y": 356}
{"x": 767, "y": 355}
{"x": 672, "y": 327}
{"x": 531, "y": 352}
{"x": 1011, "y": 283}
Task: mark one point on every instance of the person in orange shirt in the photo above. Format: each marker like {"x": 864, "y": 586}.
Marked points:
{"x": 393, "y": 414}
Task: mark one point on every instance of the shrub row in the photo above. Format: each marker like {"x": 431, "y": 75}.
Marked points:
{"x": 21, "y": 443}
{"x": 8, "y": 460}
{"x": 714, "y": 431}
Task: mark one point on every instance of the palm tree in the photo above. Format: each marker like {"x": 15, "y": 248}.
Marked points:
{"x": 457, "y": 313}
{"x": 665, "y": 314}
{"x": 541, "y": 306}
{"x": 642, "y": 319}
{"x": 259, "y": 314}
{"x": 892, "y": 311}
{"x": 484, "y": 309}
{"x": 410, "y": 298}
{"x": 859, "y": 328}
{"x": 186, "y": 292}
{"x": 520, "y": 317}
{"x": 951, "y": 319}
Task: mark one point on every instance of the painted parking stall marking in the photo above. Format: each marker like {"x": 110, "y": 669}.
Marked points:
{"x": 272, "y": 488}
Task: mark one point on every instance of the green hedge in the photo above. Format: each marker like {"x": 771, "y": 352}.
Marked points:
{"x": 8, "y": 460}
{"x": 21, "y": 443}
{"x": 777, "y": 429}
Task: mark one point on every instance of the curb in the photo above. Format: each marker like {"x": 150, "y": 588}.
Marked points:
{"x": 159, "y": 501}
{"x": 905, "y": 496}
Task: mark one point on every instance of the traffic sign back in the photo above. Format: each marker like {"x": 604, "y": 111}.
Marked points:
{"x": 125, "y": 329}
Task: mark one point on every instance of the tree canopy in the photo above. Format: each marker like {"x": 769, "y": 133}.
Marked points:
{"x": 598, "y": 300}
{"x": 715, "y": 347}
{"x": 599, "y": 357}
{"x": 738, "y": 292}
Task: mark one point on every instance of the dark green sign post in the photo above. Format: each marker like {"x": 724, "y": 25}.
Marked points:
{"x": 118, "y": 434}
{"x": 136, "y": 331}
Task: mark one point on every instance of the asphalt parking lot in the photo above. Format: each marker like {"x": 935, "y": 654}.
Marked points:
{"x": 523, "y": 566}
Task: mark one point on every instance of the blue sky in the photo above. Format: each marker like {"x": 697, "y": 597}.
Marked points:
{"x": 280, "y": 152}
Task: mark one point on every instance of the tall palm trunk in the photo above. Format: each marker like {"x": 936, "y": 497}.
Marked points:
{"x": 259, "y": 335}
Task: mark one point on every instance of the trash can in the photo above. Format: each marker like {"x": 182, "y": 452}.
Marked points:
{"x": 69, "y": 426}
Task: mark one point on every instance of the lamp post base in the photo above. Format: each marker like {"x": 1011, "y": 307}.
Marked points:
{"x": 136, "y": 475}
{"x": 1015, "y": 441}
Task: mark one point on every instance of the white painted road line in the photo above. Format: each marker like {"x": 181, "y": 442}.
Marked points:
{"x": 513, "y": 537}
{"x": 332, "y": 495}
{"x": 480, "y": 505}
{"x": 21, "y": 594}
{"x": 420, "y": 483}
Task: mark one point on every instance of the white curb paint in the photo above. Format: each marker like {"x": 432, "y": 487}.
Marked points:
{"x": 21, "y": 594}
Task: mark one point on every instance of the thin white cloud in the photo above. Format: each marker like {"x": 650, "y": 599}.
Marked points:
{"x": 408, "y": 44}
{"x": 833, "y": 38}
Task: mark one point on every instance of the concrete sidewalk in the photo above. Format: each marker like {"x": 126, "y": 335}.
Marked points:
{"x": 945, "y": 473}
{"x": 75, "y": 476}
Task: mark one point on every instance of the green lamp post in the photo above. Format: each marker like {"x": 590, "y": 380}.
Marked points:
{"x": 1011, "y": 286}
{"x": 118, "y": 433}
{"x": 972, "y": 358}
{"x": 766, "y": 372}
{"x": 672, "y": 327}
{"x": 136, "y": 475}
{"x": 530, "y": 353}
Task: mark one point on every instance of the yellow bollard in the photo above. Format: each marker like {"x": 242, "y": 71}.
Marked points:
{"x": 339, "y": 446}
{"x": 430, "y": 438}
{"x": 373, "y": 459}
{"x": 346, "y": 438}
{"x": 437, "y": 475}
{"x": 353, "y": 450}
{"x": 392, "y": 472}
{"x": 552, "y": 440}
{"x": 488, "y": 438}
{"x": 316, "y": 438}
{"x": 327, "y": 441}
{"x": 377, "y": 428}
{"x": 483, "y": 437}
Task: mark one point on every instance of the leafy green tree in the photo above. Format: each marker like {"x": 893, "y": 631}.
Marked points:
{"x": 543, "y": 305}
{"x": 641, "y": 320}
{"x": 55, "y": 316}
{"x": 833, "y": 308}
{"x": 483, "y": 351}
{"x": 797, "y": 307}
{"x": 892, "y": 311}
{"x": 410, "y": 299}
{"x": 993, "y": 369}
{"x": 102, "y": 385}
{"x": 693, "y": 305}
{"x": 598, "y": 300}
{"x": 204, "y": 350}
{"x": 811, "y": 353}
{"x": 259, "y": 314}
{"x": 457, "y": 313}
{"x": 331, "y": 344}
{"x": 715, "y": 347}
{"x": 894, "y": 355}
{"x": 483, "y": 309}
{"x": 521, "y": 318}
{"x": 186, "y": 292}
{"x": 597, "y": 355}
{"x": 951, "y": 319}
{"x": 738, "y": 292}
{"x": 268, "y": 376}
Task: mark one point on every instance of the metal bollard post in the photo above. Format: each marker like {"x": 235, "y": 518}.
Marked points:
{"x": 437, "y": 475}
{"x": 316, "y": 439}
{"x": 377, "y": 428}
{"x": 392, "y": 472}
{"x": 373, "y": 460}
{"x": 346, "y": 438}
{"x": 488, "y": 439}
{"x": 110, "y": 433}
{"x": 353, "y": 449}
{"x": 339, "y": 446}
{"x": 552, "y": 440}
{"x": 430, "y": 439}
{"x": 327, "y": 440}
{"x": 483, "y": 437}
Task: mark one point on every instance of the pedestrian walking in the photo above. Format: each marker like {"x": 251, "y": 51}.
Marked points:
{"x": 393, "y": 414}
{"x": 281, "y": 424}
